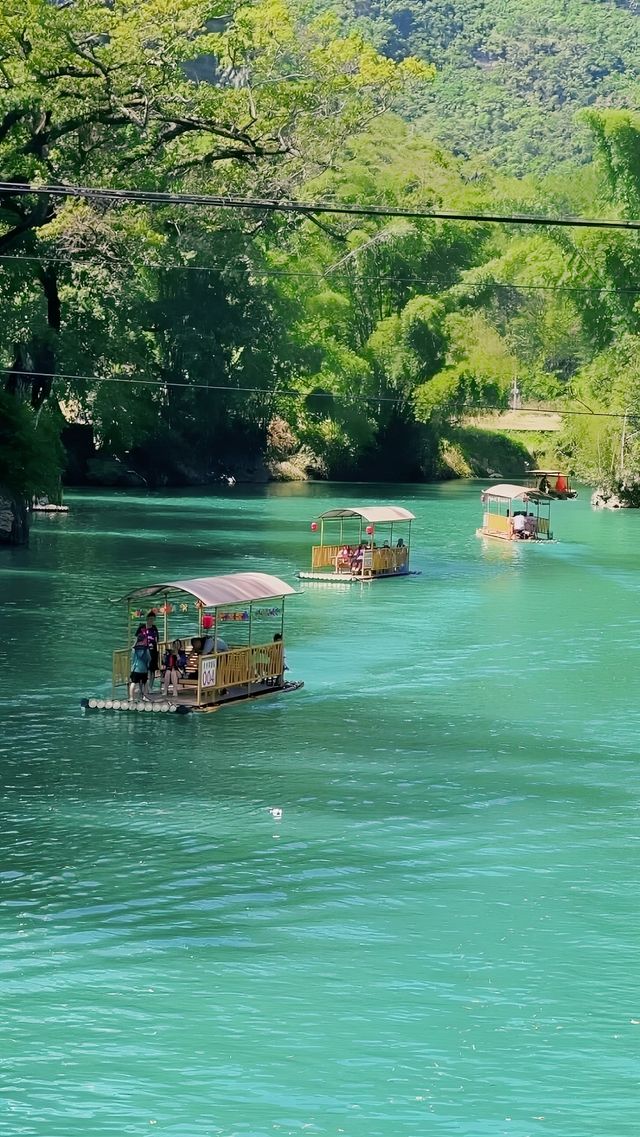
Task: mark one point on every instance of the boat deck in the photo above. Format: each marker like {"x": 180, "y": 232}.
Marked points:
{"x": 352, "y": 578}
{"x": 515, "y": 540}
{"x": 185, "y": 702}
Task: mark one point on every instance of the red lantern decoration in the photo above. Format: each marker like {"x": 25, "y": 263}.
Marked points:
{"x": 207, "y": 621}
{"x": 314, "y": 526}
{"x": 369, "y": 530}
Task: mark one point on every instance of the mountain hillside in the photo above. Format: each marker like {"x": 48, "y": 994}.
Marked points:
{"x": 511, "y": 73}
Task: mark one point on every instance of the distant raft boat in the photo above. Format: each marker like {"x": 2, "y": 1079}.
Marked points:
{"x": 554, "y": 483}
{"x": 43, "y": 505}
{"x": 361, "y": 544}
{"x": 515, "y": 513}
{"x": 246, "y": 608}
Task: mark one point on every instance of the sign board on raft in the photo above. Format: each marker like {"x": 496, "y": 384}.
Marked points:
{"x": 208, "y": 674}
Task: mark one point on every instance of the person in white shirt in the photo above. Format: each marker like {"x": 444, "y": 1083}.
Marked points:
{"x": 519, "y": 524}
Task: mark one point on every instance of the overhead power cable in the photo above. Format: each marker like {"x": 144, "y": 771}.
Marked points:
{"x": 274, "y": 392}
{"x": 269, "y": 272}
{"x": 308, "y": 208}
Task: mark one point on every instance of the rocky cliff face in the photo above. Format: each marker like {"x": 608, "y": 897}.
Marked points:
{"x": 14, "y": 519}
{"x": 617, "y": 495}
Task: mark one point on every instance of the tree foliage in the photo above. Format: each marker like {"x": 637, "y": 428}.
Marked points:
{"x": 511, "y": 76}
{"x": 197, "y": 342}
{"x": 178, "y": 94}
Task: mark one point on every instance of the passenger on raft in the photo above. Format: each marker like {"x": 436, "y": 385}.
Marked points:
{"x": 343, "y": 559}
{"x": 208, "y": 645}
{"x": 357, "y": 558}
{"x": 278, "y": 681}
{"x": 200, "y": 646}
{"x": 153, "y": 639}
{"x": 518, "y": 526}
{"x": 196, "y": 650}
{"x": 171, "y": 667}
{"x": 140, "y": 659}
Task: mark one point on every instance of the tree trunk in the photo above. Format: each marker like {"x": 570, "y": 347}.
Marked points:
{"x": 34, "y": 363}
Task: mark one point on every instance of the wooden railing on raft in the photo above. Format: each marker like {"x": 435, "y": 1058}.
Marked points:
{"x": 121, "y": 666}
{"x": 390, "y": 560}
{"x": 239, "y": 667}
{"x": 324, "y": 556}
{"x": 382, "y": 560}
{"x": 497, "y": 523}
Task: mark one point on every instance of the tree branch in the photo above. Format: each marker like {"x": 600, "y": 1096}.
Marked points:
{"x": 11, "y": 119}
{"x": 39, "y": 216}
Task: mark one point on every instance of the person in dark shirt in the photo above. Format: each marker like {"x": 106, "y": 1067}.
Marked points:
{"x": 150, "y": 629}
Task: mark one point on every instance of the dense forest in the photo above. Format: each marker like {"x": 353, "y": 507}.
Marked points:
{"x": 511, "y": 74}
{"x": 169, "y": 344}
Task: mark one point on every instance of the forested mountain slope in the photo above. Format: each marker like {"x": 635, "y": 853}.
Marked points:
{"x": 511, "y": 73}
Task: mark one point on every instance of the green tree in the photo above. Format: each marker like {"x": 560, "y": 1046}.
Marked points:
{"x": 172, "y": 94}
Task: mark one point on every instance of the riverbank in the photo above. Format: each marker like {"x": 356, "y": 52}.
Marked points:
{"x": 463, "y": 451}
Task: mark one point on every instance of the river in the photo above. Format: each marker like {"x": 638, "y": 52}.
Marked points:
{"x": 440, "y": 935}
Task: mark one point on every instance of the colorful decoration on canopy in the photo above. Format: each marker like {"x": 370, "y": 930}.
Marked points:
{"x": 314, "y": 526}
{"x": 208, "y": 620}
{"x": 369, "y": 530}
{"x": 246, "y": 615}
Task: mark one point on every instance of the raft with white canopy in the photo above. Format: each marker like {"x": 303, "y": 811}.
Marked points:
{"x": 514, "y": 513}
{"x": 231, "y": 629}
{"x": 361, "y": 543}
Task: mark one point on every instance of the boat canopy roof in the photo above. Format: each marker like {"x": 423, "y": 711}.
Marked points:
{"x": 548, "y": 473}
{"x": 371, "y": 513}
{"x": 513, "y": 493}
{"x": 214, "y": 591}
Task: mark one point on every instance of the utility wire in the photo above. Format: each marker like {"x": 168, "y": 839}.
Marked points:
{"x": 632, "y": 290}
{"x": 274, "y": 392}
{"x": 273, "y": 205}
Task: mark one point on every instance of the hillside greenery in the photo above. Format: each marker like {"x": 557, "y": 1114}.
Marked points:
{"x": 511, "y": 75}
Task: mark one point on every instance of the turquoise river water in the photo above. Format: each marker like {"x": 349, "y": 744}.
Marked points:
{"x": 441, "y": 934}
